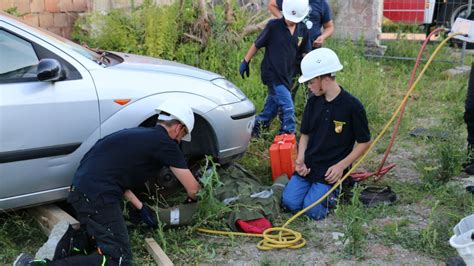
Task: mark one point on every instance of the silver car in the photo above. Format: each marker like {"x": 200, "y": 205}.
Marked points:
{"x": 58, "y": 98}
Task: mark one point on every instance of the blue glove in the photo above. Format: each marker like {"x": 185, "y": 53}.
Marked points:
{"x": 148, "y": 216}
{"x": 244, "y": 68}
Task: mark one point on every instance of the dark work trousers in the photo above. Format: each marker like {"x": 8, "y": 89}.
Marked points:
{"x": 469, "y": 110}
{"x": 105, "y": 223}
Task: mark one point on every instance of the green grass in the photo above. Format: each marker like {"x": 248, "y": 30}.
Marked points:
{"x": 379, "y": 84}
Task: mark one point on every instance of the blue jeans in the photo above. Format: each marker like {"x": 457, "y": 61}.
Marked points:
{"x": 299, "y": 194}
{"x": 278, "y": 99}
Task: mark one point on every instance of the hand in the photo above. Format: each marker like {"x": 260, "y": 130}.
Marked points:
{"x": 148, "y": 216}
{"x": 334, "y": 173}
{"x": 301, "y": 169}
{"x": 318, "y": 42}
{"x": 189, "y": 200}
{"x": 244, "y": 68}
{"x": 133, "y": 214}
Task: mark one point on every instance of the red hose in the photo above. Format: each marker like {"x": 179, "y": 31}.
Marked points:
{"x": 383, "y": 170}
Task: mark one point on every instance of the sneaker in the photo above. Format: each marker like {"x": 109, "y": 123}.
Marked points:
{"x": 59, "y": 243}
{"x": 23, "y": 259}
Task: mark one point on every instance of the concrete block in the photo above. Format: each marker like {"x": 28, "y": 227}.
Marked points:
{"x": 46, "y": 20}
{"x": 80, "y": 5}
{"x": 51, "y": 6}
{"x": 66, "y": 32}
{"x": 37, "y": 6}
{"x": 459, "y": 70}
{"x": 60, "y": 20}
{"x": 22, "y": 6}
{"x": 55, "y": 30}
{"x": 66, "y": 6}
{"x": 31, "y": 19}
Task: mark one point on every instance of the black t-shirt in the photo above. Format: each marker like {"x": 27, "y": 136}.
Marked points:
{"x": 282, "y": 49}
{"x": 333, "y": 128}
{"x": 124, "y": 160}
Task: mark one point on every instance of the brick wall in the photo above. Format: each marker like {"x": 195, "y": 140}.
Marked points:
{"x": 57, "y": 16}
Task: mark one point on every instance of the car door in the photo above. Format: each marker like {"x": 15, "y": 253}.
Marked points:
{"x": 42, "y": 123}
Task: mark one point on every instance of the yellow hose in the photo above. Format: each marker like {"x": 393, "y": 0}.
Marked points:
{"x": 282, "y": 237}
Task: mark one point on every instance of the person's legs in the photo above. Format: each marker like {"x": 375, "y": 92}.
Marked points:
{"x": 269, "y": 112}
{"x": 321, "y": 210}
{"x": 294, "y": 193}
{"x": 105, "y": 223}
{"x": 469, "y": 119}
{"x": 285, "y": 104}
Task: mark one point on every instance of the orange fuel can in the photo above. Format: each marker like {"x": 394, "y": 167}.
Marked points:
{"x": 283, "y": 155}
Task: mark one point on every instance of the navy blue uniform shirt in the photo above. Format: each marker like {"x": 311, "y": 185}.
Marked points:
{"x": 281, "y": 51}
{"x": 333, "y": 128}
{"x": 319, "y": 15}
{"x": 124, "y": 160}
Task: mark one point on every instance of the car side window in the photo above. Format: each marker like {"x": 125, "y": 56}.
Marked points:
{"x": 18, "y": 59}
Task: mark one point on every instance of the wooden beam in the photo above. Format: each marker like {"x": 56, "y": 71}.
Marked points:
{"x": 49, "y": 215}
{"x": 157, "y": 253}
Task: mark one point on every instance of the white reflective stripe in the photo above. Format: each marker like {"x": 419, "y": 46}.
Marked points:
{"x": 174, "y": 216}
{"x": 263, "y": 194}
{"x": 230, "y": 200}
{"x": 278, "y": 185}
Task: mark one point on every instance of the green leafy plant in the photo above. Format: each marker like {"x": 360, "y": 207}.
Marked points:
{"x": 353, "y": 217}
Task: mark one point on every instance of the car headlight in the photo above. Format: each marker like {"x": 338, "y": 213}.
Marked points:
{"x": 229, "y": 86}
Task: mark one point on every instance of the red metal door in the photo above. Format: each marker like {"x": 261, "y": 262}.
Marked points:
{"x": 406, "y": 11}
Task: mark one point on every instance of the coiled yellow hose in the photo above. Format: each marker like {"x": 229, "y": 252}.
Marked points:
{"x": 282, "y": 237}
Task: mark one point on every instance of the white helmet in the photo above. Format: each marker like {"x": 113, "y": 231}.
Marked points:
{"x": 319, "y": 62}
{"x": 180, "y": 111}
{"x": 295, "y": 10}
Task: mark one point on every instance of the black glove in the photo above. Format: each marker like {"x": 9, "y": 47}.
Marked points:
{"x": 148, "y": 216}
{"x": 244, "y": 68}
{"x": 133, "y": 214}
{"x": 189, "y": 200}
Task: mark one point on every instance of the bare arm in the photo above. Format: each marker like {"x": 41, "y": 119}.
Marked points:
{"x": 187, "y": 180}
{"x": 328, "y": 31}
{"x": 300, "y": 167}
{"x": 133, "y": 199}
{"x": 273, "y": 8}
{"x": 251, "y": 52}
{"x": 334, "y": 173}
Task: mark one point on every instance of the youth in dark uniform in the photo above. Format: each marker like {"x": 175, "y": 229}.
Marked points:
{"x": 283, "y": 40}
{"x": 333, "y": 121}
{"x": 320, "y": 16}
{"x": 117, "y": 163}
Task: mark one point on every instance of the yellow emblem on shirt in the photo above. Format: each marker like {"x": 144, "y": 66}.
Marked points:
{"x": 338, "y": 126}
{"x": 300, "y": 39}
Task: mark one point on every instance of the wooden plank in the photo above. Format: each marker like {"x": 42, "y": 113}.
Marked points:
{"x": 157, "y": 253}
{"x": 49, "y": 215}
{"x": 409, "y": 36}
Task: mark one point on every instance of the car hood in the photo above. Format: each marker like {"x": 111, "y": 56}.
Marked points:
{"x": 145, "y": 63}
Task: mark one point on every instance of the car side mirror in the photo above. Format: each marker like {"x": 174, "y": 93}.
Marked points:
{"x": 49, "y": 70}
